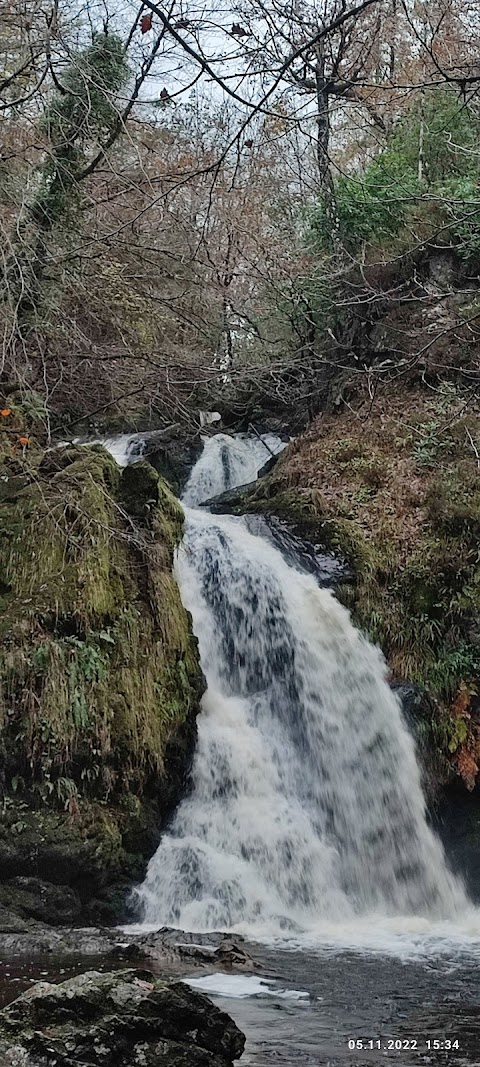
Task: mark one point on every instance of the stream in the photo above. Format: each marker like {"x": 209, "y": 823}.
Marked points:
{"x": 311, "y": 1008}
{"x": 305, "y": 830}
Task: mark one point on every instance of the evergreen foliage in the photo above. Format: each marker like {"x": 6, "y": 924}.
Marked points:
{"x": 83, "y": 110}
{"x": 425, "y": 178}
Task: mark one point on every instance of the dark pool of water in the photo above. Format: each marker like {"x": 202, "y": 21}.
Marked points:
{"x": 362, "y": 998}
{"x": 20, "y": 972}
{"x": 351, "y": 997}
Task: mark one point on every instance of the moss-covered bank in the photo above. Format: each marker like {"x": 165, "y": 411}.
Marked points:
{"x": 397, "y": 494}
{"x": 99, "y": 675}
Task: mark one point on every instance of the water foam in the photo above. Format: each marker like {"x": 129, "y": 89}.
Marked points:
{"x": 125, "y": 447}
{"x": 242, "y": 985}
{"x": 227, "y": 462}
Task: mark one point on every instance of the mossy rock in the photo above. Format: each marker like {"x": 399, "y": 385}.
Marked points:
{"x": 99, "y": 671}
{"x": 125, "y": 1018}
{"x": 33, "y": 898}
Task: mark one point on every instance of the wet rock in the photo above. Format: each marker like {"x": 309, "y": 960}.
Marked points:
{"x": 203, "y": 951}
{"x": 174, "y": 460}
{"x": 420, "y": 714}
{"x": 269, "y": 465}
{"x": 230, "y": 501}
{"x": 36, "y": 939}
{"x": 457, "y": 820}
{"x": 299, "y": 552}
{"x": 33, "y": 898}
{"x": 13, "y": 1055}
{"x": 416, "y": 705}
{"x": 232, "y": 957}
{"x": 121, "y": 1019}
{"x": 169, "y": 951}
{"x": 11, "y": 923}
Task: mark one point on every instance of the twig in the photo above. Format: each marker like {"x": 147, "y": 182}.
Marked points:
{"x": 475, "y": 449}
{"x": 96, "y": 411}
{"x": 260, "y": 438}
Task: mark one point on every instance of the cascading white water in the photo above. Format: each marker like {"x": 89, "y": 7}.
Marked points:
{"x": 306, "y": 802}
{"x": 125, "y": 447}
{"x": 227, "y": 462}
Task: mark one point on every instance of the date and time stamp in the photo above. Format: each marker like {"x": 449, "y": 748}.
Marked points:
{"x": 414, "y": 1044}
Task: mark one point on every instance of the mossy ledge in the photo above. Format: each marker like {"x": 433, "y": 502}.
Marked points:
{"x": 397, "y": 495}
{"x": 99, "y": 677}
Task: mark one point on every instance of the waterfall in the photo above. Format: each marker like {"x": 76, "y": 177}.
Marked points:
{"x": 306, "y": 802}
{"x": 227, "y": 462}
{"x": 125, "y": 447}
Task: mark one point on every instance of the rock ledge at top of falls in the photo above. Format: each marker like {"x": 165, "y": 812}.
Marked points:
{"x": 123, "y": 1019}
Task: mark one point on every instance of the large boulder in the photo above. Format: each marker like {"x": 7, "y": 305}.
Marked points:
{"x": 119, "y": 1019}
{"x": 32, "y": 898}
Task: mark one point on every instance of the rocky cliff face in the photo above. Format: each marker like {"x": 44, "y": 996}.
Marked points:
{"x": 99, "y": 679}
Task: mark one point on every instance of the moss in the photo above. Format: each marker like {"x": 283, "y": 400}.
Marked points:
{"x": 55, "y": 540}
{"x": 308, "y": 514}
{"x": 99, "y": 671}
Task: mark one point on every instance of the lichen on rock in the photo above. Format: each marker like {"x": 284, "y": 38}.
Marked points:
{"x": 99, "y": 671}
{"x": 120, "y": 1019}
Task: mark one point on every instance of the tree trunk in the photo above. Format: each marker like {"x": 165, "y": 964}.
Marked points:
{"x": 325, "y": 179}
